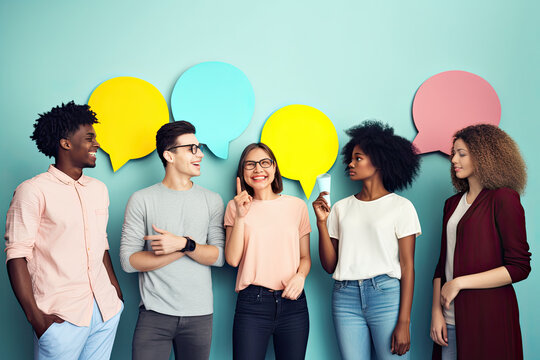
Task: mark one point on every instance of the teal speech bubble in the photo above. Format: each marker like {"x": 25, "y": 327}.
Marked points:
{"x": 218, "y": 99}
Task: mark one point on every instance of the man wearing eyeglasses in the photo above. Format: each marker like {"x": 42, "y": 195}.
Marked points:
{"x": 172, "y": 234}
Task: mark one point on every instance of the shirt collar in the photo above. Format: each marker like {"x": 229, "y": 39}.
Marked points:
{"x": 65, "y": 178}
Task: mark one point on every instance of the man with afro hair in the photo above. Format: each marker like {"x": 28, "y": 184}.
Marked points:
{"x": 56, "y": 243}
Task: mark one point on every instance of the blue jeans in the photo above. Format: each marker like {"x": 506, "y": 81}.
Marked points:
{"x": 450, "y": 352}
{"x": 67, "y": 341}
{"x": 365, "y": 315}
{"x": 261, "y": 313}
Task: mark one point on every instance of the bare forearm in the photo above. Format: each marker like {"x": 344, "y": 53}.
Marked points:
{"x": 406, "y": 294}
{"x": 112, "y": 276}
{"x": 22, "y": 287}
{"x": 148, "y": 261}
{"x": 327, "y": 251}
{"x": 484, "y": 280}
{"x": 234, "y": 245}
{"x": 204, "y": 254}
{"x": 305, "y": 266}
{"x": 436, "y": 304}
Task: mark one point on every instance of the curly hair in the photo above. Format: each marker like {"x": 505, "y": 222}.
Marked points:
{"x": 60, "y": 123}
{"x": 167, "y": 134}
{"x": 277, "y": 184}
{"x": 496, "y": 159}
{"x": 396, "y": 157}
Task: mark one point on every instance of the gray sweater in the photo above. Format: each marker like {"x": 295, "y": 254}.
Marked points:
{"x": 183, "y": 287}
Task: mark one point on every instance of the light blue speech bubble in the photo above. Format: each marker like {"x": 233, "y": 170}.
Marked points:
{"x": 218, "y": 99}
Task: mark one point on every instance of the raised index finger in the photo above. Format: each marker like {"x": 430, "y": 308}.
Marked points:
{"x": 238, "y": 186}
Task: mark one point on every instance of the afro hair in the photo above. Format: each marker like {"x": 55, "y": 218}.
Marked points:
{"x": 60, "y": 123}
{"x": 396, "y": 157}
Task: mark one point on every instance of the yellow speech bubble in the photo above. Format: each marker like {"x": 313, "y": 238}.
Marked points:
{"x": 304, "y": 141}
{"x": 130, "y": 112}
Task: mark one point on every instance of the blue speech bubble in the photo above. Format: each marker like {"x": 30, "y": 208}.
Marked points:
{"x": 218, "y": 99}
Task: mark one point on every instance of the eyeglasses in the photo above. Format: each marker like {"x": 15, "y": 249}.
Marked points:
{"x": 265, "y": 163}
{"x": 192, "y": 147}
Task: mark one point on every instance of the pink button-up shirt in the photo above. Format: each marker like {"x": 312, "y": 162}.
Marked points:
{"x": 59, "y": 225}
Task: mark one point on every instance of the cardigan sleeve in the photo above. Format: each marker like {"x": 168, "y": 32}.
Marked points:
{"x": 510, "y": 222}
{"x": 439, "y": 269}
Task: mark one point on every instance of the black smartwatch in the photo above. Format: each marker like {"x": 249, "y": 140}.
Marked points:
{"x": 190, "y": 244}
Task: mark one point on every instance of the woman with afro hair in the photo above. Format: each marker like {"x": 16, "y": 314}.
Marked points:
{"x": 483, "y": 251}
{"x": 367, "y": 241}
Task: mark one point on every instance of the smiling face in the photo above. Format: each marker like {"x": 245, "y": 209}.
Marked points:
{"x": 461, "y": 160}
{"x": 181, "y": 160}
{"x": 360, "y": 167}
{"x": 259, "y": 178}
{"x": 83, "y": 147}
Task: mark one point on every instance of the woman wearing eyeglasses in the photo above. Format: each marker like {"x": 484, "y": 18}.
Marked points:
{"x": 367, "y": 241}
{"x": 267, "y": 238}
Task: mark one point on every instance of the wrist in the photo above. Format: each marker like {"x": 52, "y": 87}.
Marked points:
{"x": 189, "y": 246}
{"x": 458, "y": 283}
{"x": 35, "y": 317}
{"x": 181, "y": 243}
{"x": 406, "y": 322}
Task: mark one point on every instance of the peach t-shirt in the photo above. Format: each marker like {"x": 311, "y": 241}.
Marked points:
{"x": 272, "y": 233}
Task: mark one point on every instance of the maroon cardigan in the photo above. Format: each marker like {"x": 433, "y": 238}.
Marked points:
{"x": 489, "y": 235}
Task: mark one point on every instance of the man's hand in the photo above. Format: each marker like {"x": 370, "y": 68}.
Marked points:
{"x": 165, "y": 242}
{"x": 43, "y": 322}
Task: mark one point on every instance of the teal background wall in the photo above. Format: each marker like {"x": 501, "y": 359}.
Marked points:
{"x": 351, "y": 59}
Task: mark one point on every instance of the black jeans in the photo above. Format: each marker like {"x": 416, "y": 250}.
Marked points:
{"x": 261, "y": 313}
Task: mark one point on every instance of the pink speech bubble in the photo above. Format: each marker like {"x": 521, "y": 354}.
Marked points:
{"x": 448, "y": 102}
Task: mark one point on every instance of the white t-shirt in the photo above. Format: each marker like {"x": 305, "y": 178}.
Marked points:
{"x": 451, "y": 234}
{"x": 368, "y": 233}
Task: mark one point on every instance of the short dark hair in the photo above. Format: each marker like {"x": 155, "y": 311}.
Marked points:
{"x": 396, "y": 157}
{"x": 495, "y": 156}
{"x": 60, "y": 123}
{"x": 277, "y": 184}
{"x": 167, "y": 134}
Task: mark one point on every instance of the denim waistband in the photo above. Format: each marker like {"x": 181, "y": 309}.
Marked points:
{"x": 261, "y": 290}
{"x": 372, "y": 280}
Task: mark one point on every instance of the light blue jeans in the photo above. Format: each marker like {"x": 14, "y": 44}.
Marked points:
{"x": 65, "y": 341}
{"x": 450, "y": 352}
{"x": 365, "y": 315}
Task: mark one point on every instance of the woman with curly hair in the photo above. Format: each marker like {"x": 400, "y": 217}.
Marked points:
{"x": 483, "y": 251}
{"x": 367, "y": 241}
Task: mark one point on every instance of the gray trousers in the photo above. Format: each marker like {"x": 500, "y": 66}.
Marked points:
{"x": 190, "y": 336}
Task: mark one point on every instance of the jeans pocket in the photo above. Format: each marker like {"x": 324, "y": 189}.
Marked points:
{"x": 248, "y": 298}
{"x": 387, "y": 284}
{"x": 47, "y": 333}
{"x": 339, "y": 285}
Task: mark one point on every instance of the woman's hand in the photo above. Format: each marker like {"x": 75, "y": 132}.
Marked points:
{"x": 293, "y": 287}
{"x": 449, "y": 292}
{"x": 401, "y": 338}
{"x": 438, "y": 331}
{"x": 321, "y": 208}
{"x": 242, "y": 200}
